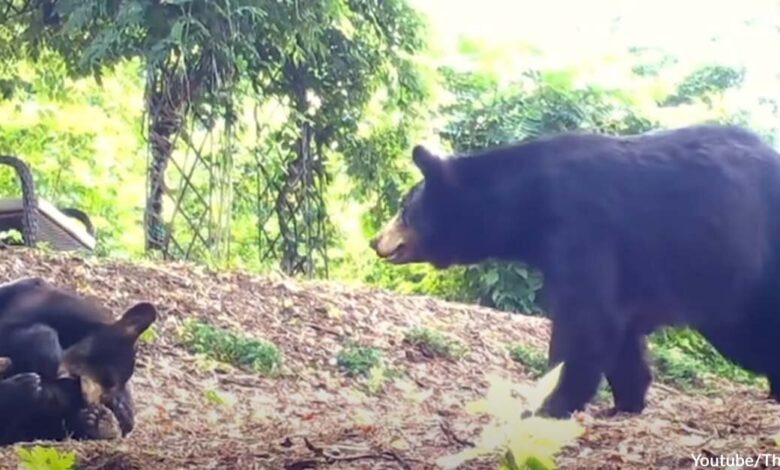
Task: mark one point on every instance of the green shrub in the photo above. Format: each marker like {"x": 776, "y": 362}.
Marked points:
{"x": 534, "y": 361}
{"x": 358, "y": 360}
{"x": 435, "y": 343}
{"x": 683, "y": 357}
{"x": 241, "y": 351}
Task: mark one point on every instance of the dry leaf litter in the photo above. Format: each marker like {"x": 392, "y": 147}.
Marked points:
{"x": 313, "y": 416}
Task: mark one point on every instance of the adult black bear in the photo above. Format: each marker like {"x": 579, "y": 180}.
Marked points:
{"x": 678, "y": 227}
{"x": 83, "y": 360}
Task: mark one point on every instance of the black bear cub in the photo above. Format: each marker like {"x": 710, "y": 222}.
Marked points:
{"x": 68, "y": 364}
{"x": 675, "y": 227}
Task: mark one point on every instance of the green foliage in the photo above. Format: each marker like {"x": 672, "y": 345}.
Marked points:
{"x": 225, "y": 346}
{"x": 684, "y": 358}
{"x": 435, "y": 343}
{"x": 367, "y": 364}
{"x": 377, "y": 377}
{"x": 677, "y": 368}
{"x": 358, "y": 360}
{"x": 11, "y": 237}
{"x": 535, "y": 361}
{"x": 681, "y": 358}
{"x": 518, "y": 443}
{"x": 214, "y": 397}
{"x": 83, "y": 149}
{"x": 704, "y": 83}
{"x": 149, "y": 336}
{"x": 650, "y": 62}
{"x": 506, "y": 286}
{"x": 45, "y": 458}
{"x": 338, "y": 72}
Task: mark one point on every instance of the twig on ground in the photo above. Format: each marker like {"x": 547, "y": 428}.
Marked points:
{"x": 320, "y": 452}
{"x": 452, "y": 437}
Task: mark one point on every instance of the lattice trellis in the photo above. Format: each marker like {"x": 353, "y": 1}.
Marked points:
{"x": 189, "y": 173}
{"x": 280, "y": 179}
{"x": 286, "y": 193}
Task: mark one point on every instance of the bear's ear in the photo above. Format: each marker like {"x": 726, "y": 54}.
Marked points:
{"x": 429, "y": 164}
{"x": 137, "y": 319}
{"x": 435, "y": 170}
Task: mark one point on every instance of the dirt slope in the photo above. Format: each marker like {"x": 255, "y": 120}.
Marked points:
{"x": 313, "y": 414}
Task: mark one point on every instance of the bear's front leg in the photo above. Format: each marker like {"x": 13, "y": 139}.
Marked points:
{"x": 581, "y": 292}
{"x": 584, "y": 364}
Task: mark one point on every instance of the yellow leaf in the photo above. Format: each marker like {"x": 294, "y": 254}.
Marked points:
{"x": 776, "y": 438}
{"x": 400, "y": 444}
{"x": 456, "y": 460}
{"x": 555, "y": 429}
{"x": 498, "y": 399}
{"x": 334, "y": 313}
{"x": 536, "y": 394}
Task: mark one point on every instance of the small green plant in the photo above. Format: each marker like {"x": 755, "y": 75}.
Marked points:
{"x": 518, "y": 442}
{"x": 365, "y": 362}
{"x": 435, "y": 343}
{"x": 45, "y": 458}
{"x": 225, "y": 346}
{"x": 377, "y": 377}
{"x": 149, "y": 336}
{"x": 535, "y": 361}
{"x": 213, "y": 396}
{"x": 11, "y": 237}
{"x": 603, "y": 393}
{"x": 358, "y": 360}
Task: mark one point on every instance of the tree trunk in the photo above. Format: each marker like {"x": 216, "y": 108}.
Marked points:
{"x": 166, "y": 102}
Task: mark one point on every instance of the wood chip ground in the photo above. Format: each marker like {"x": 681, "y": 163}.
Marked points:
{"x": 313, "y": 416}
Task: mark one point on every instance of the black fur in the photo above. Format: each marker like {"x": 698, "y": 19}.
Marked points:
{"x": 11, "y": 291}
{"x": 65, "y": 339}
{"x": 678, "y": 227}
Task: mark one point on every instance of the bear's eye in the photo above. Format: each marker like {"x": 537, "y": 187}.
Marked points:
{"x": 109, "y": 382}
{"x": 404, "y": 217}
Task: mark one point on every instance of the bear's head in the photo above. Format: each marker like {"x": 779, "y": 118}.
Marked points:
{"x": 104, "y": 359}
{"x": 429, "y": 226}
{"x": 97, "y": 350}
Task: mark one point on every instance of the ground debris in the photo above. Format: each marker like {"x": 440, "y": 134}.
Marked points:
{"x": 314, "y": 416}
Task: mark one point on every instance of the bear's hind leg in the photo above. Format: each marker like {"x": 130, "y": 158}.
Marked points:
{"x": 630, "y": 375}
{"x": 19, "y": 395}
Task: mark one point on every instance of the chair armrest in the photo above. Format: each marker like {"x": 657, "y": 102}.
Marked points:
{"x": 30, "y": 204}
{"x": 81, "y": 216}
